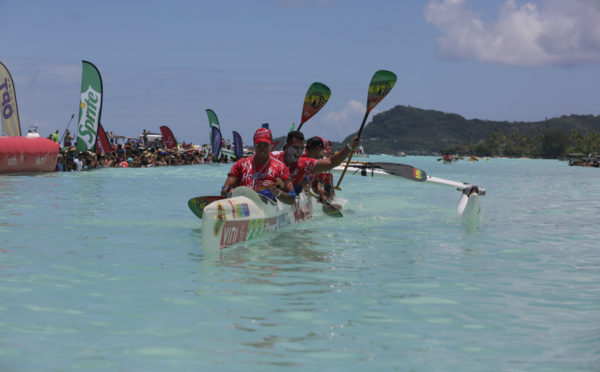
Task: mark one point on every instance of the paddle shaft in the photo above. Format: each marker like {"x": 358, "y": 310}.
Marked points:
{"x": 337, "y": 187}
{"x": 65, "y": 132}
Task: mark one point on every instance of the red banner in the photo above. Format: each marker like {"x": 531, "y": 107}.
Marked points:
{"x": 168, "y": 137}
{"x": 102, "y": 143}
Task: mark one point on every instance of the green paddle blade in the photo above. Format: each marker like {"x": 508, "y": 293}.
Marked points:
{"x": 381, "y": 84}
{"x": 331, "y": 210}
{"x": 198, "y": 204}
{"x": 317, "y": 96}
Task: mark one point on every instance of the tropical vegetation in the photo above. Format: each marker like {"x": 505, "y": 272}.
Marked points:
{"x": 429, "y": 132}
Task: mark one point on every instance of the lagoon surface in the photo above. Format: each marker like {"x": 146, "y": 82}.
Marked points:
{"x": 105, "y": 271}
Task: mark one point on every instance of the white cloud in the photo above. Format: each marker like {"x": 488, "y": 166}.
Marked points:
{"x": 342, "y": 123}
{"x": 351, "y": 111}
{"x": 555, "y": 33}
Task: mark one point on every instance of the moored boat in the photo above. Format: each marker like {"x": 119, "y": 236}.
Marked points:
{"x": 246, "y": 215}
{"x": 228, "y": 152}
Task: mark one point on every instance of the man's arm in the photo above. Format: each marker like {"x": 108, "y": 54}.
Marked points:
{"x": 230, "y": 183}
{"x": 282, "y": 195}
{"x": 323, "y": 165}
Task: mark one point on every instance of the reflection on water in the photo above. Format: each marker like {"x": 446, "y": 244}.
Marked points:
{"x": 106, "y": 270}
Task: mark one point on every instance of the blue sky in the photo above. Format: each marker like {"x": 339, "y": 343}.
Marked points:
{"x": 165, "y": 63}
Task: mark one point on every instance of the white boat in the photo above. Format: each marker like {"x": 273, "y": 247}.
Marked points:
{"x": 33, "y": 132}
{"x": 246, "y": 215}
{"x": 469, "y": 207}
{"x": 228, "y": 152}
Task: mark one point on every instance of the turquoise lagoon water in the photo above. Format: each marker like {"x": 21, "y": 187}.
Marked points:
{"x": 105, "y": 271}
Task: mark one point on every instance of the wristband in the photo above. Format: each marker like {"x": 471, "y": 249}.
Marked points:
{"x": 278, "y": 194}
{"x": 350, "y": 147}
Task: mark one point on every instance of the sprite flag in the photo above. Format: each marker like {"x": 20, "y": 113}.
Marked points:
{"x": 90, "y": 107}
{"x": 8, "y": 104}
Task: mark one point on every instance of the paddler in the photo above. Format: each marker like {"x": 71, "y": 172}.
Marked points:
{"x": 260, "y": 172}
{"x": 301, "y": 167}
{"x": 322, "y": 183}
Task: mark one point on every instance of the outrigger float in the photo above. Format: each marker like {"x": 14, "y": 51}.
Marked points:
{"x": 246, "y": 215}
{"x": 469, "y": 207}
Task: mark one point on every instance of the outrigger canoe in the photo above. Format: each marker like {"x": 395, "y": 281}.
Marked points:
{"x": 469, "y": 206}
{"x": 246, "y": 215}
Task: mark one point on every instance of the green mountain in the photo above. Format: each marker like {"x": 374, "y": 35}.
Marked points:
{"x": 414, "y": 130}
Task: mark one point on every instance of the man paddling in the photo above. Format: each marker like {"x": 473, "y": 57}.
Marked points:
{"x": 322, "y": 183}
{"x": 261, "y": 172}
{"x": 300, "y": 167}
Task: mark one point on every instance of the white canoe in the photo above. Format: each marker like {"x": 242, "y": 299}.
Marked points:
{"x": 247, "y": 215}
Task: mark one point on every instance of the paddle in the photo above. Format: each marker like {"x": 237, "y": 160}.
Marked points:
{"x": 65, "y": 132}
{"x": 381, "y": 84}
{"x": 329, "y": 208}
{"x": 411, "y": 173}
{"x": 198, "y": 204}
{"x": 316, "y": 97}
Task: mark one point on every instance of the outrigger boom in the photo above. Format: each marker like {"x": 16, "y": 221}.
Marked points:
{"x": 469, "y": 208}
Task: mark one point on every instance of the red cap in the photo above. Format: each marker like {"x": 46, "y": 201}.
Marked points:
{"x": 263, "y": 135}
{"x": 325, "y": 144}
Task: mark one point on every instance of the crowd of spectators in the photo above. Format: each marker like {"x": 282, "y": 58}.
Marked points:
{"x": 135, "y": 155}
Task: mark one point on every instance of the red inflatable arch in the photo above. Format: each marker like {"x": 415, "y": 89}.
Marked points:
{"x": 23, "y": 154}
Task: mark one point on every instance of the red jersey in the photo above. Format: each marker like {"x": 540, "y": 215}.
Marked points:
{"x": 304, "y": 167}
{"x": 254, "y": 175}
{"x": 324, "y": 178}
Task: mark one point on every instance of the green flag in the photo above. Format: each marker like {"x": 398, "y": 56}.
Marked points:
{"x": 213, "y": 122}
{"x": 90, "y": 107}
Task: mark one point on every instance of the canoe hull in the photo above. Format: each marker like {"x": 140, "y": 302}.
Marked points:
{"x": 248, "y": 215}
